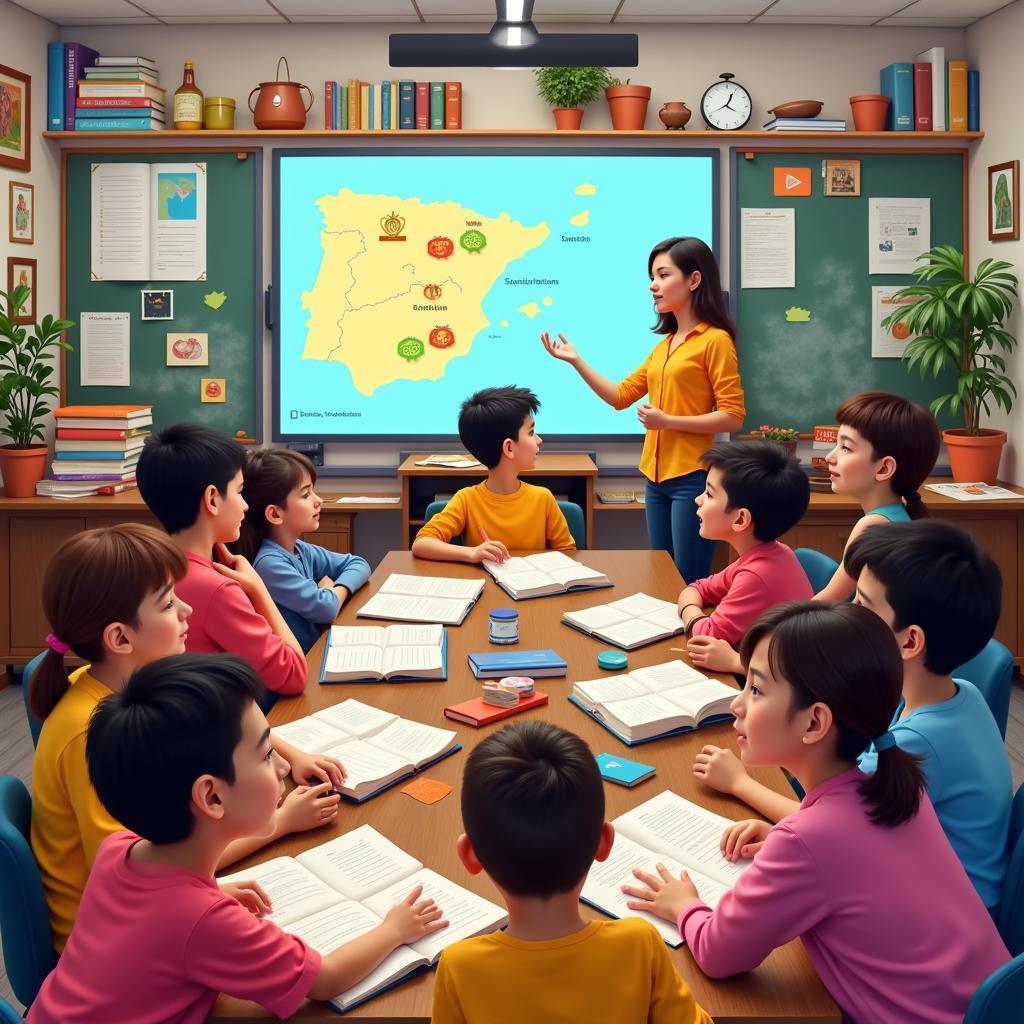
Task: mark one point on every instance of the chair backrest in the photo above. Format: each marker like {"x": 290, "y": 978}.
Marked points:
{"x": 999, "y": 997}
{"x": 818, "y": 567}
{"x": 991, "y": 671}
{"x": 24, "y": 919}
{"x": 1011, "y": 905}
{"x": 572, "y": 512}
{"x": 34, "y": 725}
{"x": 439, "y": 506}
{"x": 8, "y": 1014}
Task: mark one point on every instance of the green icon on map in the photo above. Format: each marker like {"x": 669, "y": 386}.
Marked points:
{"x": 410, "y": 349}
{"x": 472, "y": 241}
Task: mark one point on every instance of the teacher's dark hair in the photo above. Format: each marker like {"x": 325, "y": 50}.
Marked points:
{"x": 690, "y": 254}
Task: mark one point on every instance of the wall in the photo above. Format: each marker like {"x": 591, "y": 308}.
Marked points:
{"x": 993, "y": 46}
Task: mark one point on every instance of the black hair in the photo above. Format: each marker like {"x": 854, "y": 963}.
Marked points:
{"x": 690, "y": 254}
{"x": 533, "y": 808}
{"x": 176, "y": 719}
{"x": 936, "y": 577}
{"x": 490, "y": 416}
{"x": 176, "y": 466}
{"x": 763, "y": 478}
{"x": 846, "y": 658}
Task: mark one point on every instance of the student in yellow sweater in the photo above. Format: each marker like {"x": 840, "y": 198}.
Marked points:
{"x": 497, "y": 427}
{"x": 692, "y": 383}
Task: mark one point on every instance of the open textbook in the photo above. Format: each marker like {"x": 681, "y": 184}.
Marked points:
{"x": 649, "y": 703}
{"x": 549, "y": 572}
{"x": 377, "y": 748}
{"x": 672, "y": 831}
{"x": 630, "y": 622}
{"x": 423, "y": 599}
{"x": 384, "y": 654}
{"x": 336, "y": 892}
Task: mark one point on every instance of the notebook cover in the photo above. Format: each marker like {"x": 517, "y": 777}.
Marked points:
{"x": 485, "y": 714}
{"x": 622, "y": 770}
{"x": 516, "y": 661}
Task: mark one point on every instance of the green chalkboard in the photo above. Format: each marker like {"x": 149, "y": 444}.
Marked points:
{"x": 796, "y": 374}
{"x": 234, "y": 266}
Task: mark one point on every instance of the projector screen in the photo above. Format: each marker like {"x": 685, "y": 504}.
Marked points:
{"x": 407, "y": 279}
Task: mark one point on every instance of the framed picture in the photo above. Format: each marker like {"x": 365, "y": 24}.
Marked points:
{"x": 21, "y": 226}
{"x": 157, "y": 305}
{"x": 213, "y": 389}
{"x": 15, "y": 119}
{"x": 22, "y": 271}
{"x": 1004, "y": 202}
{"x": 842, "y": 177}
{"x": 188, "y": 349}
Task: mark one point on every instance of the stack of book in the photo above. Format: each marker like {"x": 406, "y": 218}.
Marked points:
{"x": 806, "y": 124}
{"x": 65, "y": 63}
{"x": 931, "y": 94}
{"x": 392, "y": 105}
{"x": 120, "y": 94}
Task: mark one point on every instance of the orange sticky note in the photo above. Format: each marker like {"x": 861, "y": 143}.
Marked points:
{"x": 427, "y": 791}
{"x": 792, "y": 181}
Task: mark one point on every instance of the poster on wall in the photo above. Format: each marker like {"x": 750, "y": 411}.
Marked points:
{"x": 899, "y": 230}
{"x": 887, "y": 343}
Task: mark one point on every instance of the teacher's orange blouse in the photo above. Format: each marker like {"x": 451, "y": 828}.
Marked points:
{"x": 701, "y": 375}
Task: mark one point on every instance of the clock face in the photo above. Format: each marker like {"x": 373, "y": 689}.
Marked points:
{"x": 726, "y": 106}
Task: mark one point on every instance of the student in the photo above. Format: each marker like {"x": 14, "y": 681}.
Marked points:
{"x": 308, "y": 583}
{"x": 497, "y": 427}
{"x": 861, "y": 871}
{"x": 885, "y": 450}
{"x": 692, "y": 383}
{"x": 533, "y": 809}
{"x": 754, "y": 493}
{"x": 109, "y": 597}
{"x": 182, "y": 755}
{"x": 940, "y": 596}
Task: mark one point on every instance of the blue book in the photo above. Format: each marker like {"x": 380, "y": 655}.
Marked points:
{"x": 108, "y": 112}
{"x": 974, "y": 101}
{"x": 117, "y": 124}
{"x": 406, "y": 104}
{"x": 385, "y": 104}
{"x": 623, "y": 771}
{"x": 537, "y": 664}
{"x": 385, "y": 666}
{"x": 336, "y": 106}
{"x": 76, "y": 57}
{"x": 897, "y": 82}
{"x": 119, "y": 456}
{"x": 55, "y": 87}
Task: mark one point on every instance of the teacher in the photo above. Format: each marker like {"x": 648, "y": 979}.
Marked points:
{"x": 693, "y": 386}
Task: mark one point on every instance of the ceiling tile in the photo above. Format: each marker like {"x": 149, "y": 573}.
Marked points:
{"x": 702, "y": 8}
{"x": 180, "y": 10}
{"x": 142, "y": 19}
{"x": 332, "y": 10}
{"x": 969, "y": 9}
{"x": 81, "y": 10}
{"x": 928, "y": 22}
{"x": 226, "y": 19}
{"x": 683, "y": 19}
{"x": 354, "y": 19}
{"x": 806, "y": 19}
{"x": 873, "y": 9}
{"x": 548, "y": 10}
{"x": 481, "y": 8}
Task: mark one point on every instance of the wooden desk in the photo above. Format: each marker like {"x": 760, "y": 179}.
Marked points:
{"x": 784, "y": 988}
{"x": 570, "y": 473}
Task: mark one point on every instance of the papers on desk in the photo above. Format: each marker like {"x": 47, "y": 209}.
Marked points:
{"x": 973, "y": 492}
{"x": 369, "y": 499}
{"x": 449, "y": 461}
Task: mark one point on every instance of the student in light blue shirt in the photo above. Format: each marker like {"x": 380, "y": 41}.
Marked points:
{"x": 308, "y": 583}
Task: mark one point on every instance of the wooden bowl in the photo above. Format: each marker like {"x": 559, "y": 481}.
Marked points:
{"x": 798, "y": 108}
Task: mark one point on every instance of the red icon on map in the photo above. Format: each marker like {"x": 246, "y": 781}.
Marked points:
{"x": 432, "y": 292}
{"x": 441, "y": 337}
{"x": 440, "y": 247}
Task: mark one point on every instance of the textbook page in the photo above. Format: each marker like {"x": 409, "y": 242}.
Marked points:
{"x": 120, "y": 222}
{"x": 432, "y": 586}
{"x": 413, "y": 636}
{"x": 309, "y": 734}
{"x": 416, "y": 609}
{"x": 294, "y": 891}
{"x": 367, "y": 765}
{"x": 413, "y": 741}
{"x": 345, "y": 658}
{"x": 355, "y": 718}
{"x": 658, "y": 678}
{"x": 633, "y": 632}
{"x": 409, "y": 660}
{"x": 178, "y": 233}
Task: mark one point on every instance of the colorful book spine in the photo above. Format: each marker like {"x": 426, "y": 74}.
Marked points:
{"x": 957, "y": 95}
{"x": 437, "y": 106}
{"x": 76, "y": 56}
{"x": 375, "y": 108}
{"x": 107, "y": 102}
{"x": 922, "y": 96}
{"x": 76, "y": 456}
{"x": 364, "y": 105}
{"x": 422, "y": 106}
{"x": 936, "y": 56}
{"x": 117, "y": 124}
{"x": 353, "y": 104}
{"x": 329, "y": 106}
{"x": 406, "y": 104}
{"x": 123, "y": 112}
{"x": 385, "y": 105}
{"x": 897, "y": 82}
{"x": 55, "y": 87}
{"x": 394, "y": 105}
{"x": 974, "y": 101}
{"x": 119, "y": 89}
{"x": 342, "y": 102}
{"x": 453, "y": 105}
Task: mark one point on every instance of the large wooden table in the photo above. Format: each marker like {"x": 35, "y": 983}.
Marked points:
{"x": 784, "y": 988}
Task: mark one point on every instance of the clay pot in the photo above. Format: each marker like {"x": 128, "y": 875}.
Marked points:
{"x": 869, "y": 112}
{"x": 628, "y": 106}
{"x": 568, "y": 119}
{"x": 22, "y": 468}
{"x": 674, "y": 115}
{"x": 280, "y": 104}
{"x": 974, "y": 458}
{"x": 797, "y": 108}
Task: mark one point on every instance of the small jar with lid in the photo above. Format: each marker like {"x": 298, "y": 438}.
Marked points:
{"x": 503, "y": 626}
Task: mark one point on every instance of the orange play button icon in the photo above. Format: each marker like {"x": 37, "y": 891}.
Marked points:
{"x": 792, "y": 181}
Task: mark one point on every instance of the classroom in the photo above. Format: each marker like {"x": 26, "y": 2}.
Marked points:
{"x": 504, "y": 486}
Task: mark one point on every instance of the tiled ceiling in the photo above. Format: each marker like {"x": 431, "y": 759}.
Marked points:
{"x": 921, "y": 13}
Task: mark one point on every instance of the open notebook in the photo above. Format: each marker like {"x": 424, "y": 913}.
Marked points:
{"x": 341, "y": 890}
{"x": 384, "y": 654}
{"x": 377, "y": 748}
{"x": 541, "y": 575}
{"x": 631, "y": 622}
{"x": 675, "y": 832}
{"x": 649, "y": 703}
{"x": 423, "y": 599}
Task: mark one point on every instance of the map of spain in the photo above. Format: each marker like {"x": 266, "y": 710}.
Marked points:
{"x": 401, "y": 285}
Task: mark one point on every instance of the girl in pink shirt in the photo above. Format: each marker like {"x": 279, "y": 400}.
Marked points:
{"x": 862, "y": 872}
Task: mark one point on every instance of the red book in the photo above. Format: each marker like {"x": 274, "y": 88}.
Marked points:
{"x": 922, "y": 97}
{"x": 128, "y": 485}
{"x": 423, "y": 105}
{"x": 476, "y": 712}
{"x": 329, "y": 106}
{"x": 89, "y": 434}
{"x": 453, "y": 105}
{"x": 117, "y": 101}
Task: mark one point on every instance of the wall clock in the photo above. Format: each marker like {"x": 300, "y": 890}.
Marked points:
{"x": 726, "y": 105}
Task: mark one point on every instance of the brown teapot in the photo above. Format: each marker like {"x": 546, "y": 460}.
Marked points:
{"x": 280, "y": 103}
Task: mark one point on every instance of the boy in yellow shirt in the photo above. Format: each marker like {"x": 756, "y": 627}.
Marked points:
{"x": 533, "y": 809}
{"x": 497, "y": 427}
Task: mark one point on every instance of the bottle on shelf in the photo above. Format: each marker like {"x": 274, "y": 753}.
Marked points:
{"x": 188, "y": 102}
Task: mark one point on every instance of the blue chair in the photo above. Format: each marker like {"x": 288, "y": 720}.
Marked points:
{"x": 999, "y": 997}
{"x": 1011, "y": 905}
{"x": 819, "y": 567}
{"x": 572, "y": 512}
{"x": 24, "y": 919}
{"x": 34, "y": 725}
{"x": 991, "y": 671}
{"x": 8, "y": 1014}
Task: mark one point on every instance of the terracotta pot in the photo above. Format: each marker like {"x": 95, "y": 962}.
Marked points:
{"x": 974, "y": 458}
{"x": 280, "y": 103}
{"x": 628, "y": 106}
{"x": 568, "y": 119}
{"x": 674, "y": 115}
{"x": 869, "y": 112}
{"x": 22, "y": 468}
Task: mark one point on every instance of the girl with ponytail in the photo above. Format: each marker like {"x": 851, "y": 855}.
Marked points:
{"x": 862, "y": 871}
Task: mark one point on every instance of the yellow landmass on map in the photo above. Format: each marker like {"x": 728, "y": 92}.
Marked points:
{"x": 547, "y": 300}
{"x": 504, "y": 323}
{"x": 531, "y": 309}
{"x": 365, "y": 297}
{"x": 586, "y": 189}
{"x": 581, "y": 219}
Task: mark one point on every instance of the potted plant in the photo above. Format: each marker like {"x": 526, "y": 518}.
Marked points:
{"x": 785, "y": 437}
{"x": 956, "y": 325}
{"x": 569, "y": 90}
{"x": 26, "y": 365}
{"x": 628, "y": 104}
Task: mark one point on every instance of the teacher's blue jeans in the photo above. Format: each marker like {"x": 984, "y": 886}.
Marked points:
{"x": 673, "y": 526}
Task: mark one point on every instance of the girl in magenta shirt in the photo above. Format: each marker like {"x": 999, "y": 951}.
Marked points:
{"x": 862, "y": 872}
